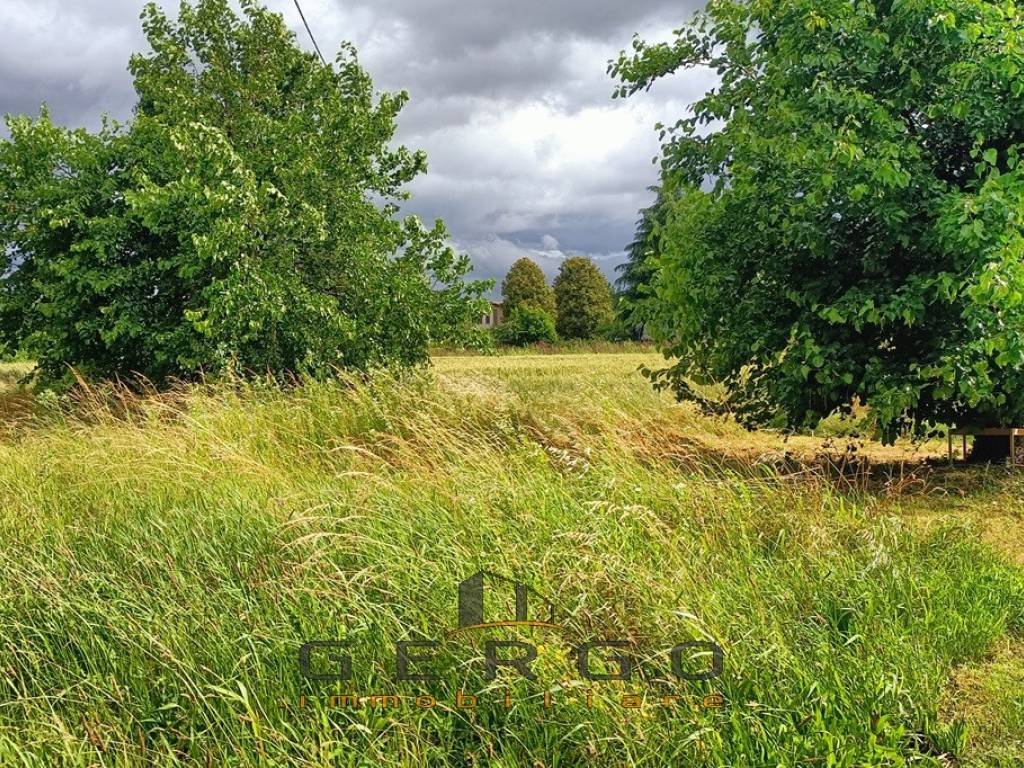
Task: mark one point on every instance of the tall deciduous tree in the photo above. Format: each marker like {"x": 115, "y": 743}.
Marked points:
{"x": 583, "y": 299}
{"x": 244, "y": 218}
{"x": 846, "y": 209}
{"x": 525, "y": 285}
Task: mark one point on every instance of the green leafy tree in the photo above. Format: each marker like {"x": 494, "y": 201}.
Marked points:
{"x": 245, "y": 218}
{"x": 525, "y": 285}
{"x": 583, "y": 298}
{"x": 846, "y": 210}
{"x": 636, "y": 274}
{"x": 527, "y": 324}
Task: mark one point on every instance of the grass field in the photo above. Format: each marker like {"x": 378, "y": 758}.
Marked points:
{"x": 164, "y": 558}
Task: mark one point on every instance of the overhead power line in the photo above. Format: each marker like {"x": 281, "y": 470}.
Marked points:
{"x": 310, "y": 31}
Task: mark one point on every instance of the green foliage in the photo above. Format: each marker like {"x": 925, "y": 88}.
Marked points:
{"x": 845, "y": 214}
{"x": 527, "y": 324}
{"x": 235, "y": 222}
{"x": 583, "y": 298}
{"x": 634, "y": 293}
{"x": 621, "y": 327}
{"x": 525, "y": 284}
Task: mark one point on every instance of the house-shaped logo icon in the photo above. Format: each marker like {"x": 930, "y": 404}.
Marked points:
{"x": 472, "y": 612}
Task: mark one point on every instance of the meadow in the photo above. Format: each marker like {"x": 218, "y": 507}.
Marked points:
{"x": 164, "y": 557}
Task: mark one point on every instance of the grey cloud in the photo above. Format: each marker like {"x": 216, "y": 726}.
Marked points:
{"x": 447, "y": 26}
{"x": 510, "y": 68}
{"x": 528, "y": 153}
{"x": 71, "y": 55}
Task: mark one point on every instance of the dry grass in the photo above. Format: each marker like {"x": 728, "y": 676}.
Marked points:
{"x": 615, "y": 384}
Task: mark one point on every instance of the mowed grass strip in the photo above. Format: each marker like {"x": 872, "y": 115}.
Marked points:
{"x": 163, "y": 559}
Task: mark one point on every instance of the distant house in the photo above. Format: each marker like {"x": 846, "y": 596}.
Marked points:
{"x": 494, "y": 317}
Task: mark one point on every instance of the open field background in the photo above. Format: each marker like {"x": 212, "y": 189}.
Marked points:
{"x": 163, "y": 558}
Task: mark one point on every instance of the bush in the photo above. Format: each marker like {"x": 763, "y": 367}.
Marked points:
{"x": 620, "y": 327}
{"x": 527, "y": 325}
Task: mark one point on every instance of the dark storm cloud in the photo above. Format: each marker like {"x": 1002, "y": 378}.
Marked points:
{"x": 502, "y": 48}
{"x": 71, "y": 55}
{"x": 445, "y": 27}
{"x": 528, "y": 153}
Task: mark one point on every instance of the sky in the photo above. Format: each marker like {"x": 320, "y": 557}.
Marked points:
{"x": 529, "y": 155}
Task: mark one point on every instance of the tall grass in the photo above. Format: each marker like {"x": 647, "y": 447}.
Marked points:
{"x": 164, "y": 558}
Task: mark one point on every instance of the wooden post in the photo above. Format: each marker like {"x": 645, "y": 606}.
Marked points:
{"x": 949, "y": 441}
{"x": 965, "y": 448}
{"x": 1013, "y": 447}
